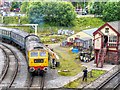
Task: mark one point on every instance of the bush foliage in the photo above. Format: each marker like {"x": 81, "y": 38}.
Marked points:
{"x": 54, "y": 13}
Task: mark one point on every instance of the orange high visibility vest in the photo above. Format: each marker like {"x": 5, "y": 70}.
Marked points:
{"x": 53, "y": 55}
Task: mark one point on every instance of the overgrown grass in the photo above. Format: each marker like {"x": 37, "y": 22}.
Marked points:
{"x": 68, "y": 66}
{"x": 78, "y": 82}
{"x": 14, "y": 20}
{"x": 48, "y": 39}
{"x": 79, "y": 24}
{"x": 87, "y": 23}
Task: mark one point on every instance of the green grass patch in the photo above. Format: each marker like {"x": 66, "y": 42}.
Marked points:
{"x": 14, "y": 20}
{"x": 48, "y": 39}
{"x": 78, "y": 82}
{"x": 68, "y": 66}
{"x": 79, "y": 24}
{"x": 84, "y": 23}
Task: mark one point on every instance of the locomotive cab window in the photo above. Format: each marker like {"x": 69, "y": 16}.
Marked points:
{"x": 42, "y": 54}
{"x": 34, "y": 54}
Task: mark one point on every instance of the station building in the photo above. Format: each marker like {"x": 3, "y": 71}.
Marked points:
{"x": 107, "y": 43}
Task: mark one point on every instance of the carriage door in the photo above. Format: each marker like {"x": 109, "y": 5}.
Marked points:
{"x": 105, "y": 40}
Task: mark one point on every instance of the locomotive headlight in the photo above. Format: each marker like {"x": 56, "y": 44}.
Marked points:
{"x": 32, "y": 69}
{"x": 45, "y": 69}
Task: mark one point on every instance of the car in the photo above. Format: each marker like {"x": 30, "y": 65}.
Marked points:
{"x": 84, "y": 12}
{"x": 12, "y": 14}
{"x": 4, "y": 14}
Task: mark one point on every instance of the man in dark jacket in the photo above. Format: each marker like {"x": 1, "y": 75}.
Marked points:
{"x": 85, "y": 71}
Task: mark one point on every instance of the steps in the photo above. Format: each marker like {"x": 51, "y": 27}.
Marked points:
{"x": 101, "y": 57}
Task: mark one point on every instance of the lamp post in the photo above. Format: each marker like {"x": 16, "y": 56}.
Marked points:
{"x": 19, "y": 19}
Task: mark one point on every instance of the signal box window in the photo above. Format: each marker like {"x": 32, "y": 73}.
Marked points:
{"x": 71, "y": 39}
{"x": 113, "y": 39}
{"x": 106, "y": 30}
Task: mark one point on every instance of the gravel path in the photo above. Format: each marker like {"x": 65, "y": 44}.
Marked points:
{"x": 2, "y": 60}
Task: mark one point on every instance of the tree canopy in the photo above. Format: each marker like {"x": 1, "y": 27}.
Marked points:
{"x": 110, "y": 11}
{"x": 24, "y": 7}
{"x": 55, "y": 13}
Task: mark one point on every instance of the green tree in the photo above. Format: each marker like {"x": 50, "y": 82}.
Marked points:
{"x": 111, "y": 11}
{"x": 24, "y": 7}
{"x": 97, "y": 7}
{"x": 55, "y": 13}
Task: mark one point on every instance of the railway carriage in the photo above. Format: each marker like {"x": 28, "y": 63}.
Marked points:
{"x": 36, "y": 53}
{"x": 5, "y": 33}
{"x": 18, "y": 37}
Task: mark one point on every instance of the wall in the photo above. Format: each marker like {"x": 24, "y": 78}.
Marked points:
{"x": 97, "y": 43}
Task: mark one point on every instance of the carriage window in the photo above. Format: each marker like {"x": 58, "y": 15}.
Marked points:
{"x": 5, "y": 33}
{"x": 34, "y": 54}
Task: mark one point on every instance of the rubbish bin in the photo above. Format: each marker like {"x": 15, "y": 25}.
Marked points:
{"x": 57, "y": 64}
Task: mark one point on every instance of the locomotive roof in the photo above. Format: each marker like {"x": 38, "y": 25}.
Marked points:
{"x": 35, "y": 45}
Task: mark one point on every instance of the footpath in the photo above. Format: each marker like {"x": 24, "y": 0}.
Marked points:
{"x": 57, "y": 81}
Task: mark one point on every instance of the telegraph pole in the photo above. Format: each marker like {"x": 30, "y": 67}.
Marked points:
{"x": 19, "y": 19}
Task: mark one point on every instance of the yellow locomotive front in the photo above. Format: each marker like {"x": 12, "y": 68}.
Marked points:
{"x": 38, "y": 60}
{"x": 36, "y": 54}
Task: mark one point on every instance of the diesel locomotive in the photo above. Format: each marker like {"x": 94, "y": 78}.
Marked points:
{"x": 35, "y": 51}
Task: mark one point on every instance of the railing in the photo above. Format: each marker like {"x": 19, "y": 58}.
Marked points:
{"x": 112, "y": 44}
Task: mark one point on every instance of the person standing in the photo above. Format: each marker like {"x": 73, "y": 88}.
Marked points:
{"x": 85, "y": 71}
{"x": 53, "y": 60}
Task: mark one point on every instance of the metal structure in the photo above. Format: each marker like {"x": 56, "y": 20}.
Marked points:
{"x": 32, "y": 25}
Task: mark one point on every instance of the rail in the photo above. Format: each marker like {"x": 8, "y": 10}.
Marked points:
{"x": 103, "y": 78}
{"x": 6, "y": 66}
{"x": 107, "y": 81}
{"x": 16, "y": 66}
{"x": 33, "y": 80}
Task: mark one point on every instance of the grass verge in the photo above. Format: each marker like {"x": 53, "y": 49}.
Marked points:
{"x": 79, "y": 82}
{"x": 68, "y": 66}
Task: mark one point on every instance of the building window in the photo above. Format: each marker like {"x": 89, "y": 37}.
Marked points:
{"x": 114, "y": 45}
{"x": 71, "y": 39}
{"x": 106, "y": 30}
{"x": 113, "y": 39}
{"x": 77, "y": 35}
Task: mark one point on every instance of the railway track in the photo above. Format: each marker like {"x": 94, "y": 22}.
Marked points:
{"x": 10, "y": 69}
{"x": 36, "y": 82}
{"x": 112, "y": 83}
{"x": 117, "y": 87}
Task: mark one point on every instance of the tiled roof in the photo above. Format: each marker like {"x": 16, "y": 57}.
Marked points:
{"x": 115, "y": 25}
{"x": 90, "y": 31}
